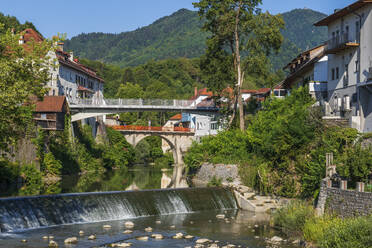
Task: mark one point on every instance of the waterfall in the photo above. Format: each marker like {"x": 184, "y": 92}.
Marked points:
{"x": 22, "y": 213}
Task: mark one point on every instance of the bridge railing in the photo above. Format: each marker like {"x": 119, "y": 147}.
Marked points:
{"x": 150, "y": 128}
{"x": 136, "y": 102}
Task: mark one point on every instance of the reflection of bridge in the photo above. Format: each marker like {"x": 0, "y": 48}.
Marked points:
{"x": 87, "y": 108}
{"x": 178, "y": 138}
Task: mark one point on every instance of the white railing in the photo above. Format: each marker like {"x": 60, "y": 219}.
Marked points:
{"x": 135, "y": 102}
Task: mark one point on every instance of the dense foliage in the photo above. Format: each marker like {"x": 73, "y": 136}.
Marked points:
{"x": 179, "y": 35}
{"x": 283, "y": 151}
{"x": 298, "y": 220}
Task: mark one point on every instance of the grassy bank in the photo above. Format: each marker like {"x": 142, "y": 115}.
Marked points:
{"x": 299, "y": 221}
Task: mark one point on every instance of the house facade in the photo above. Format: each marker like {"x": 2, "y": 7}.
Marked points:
{"x": 309, "y": 68}
{"x": 349, "y": 53}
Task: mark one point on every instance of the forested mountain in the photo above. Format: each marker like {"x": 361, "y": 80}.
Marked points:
{"x": 10, "y": 22}
{"x": 179, "y": 35}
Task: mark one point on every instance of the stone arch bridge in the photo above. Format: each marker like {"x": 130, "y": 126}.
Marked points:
{"x": 179, "y": 139}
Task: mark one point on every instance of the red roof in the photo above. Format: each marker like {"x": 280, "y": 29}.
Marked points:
{"x": 51, "y": 104}
{"x": 263, "y": 90}
{"x": 63, "y": 58}
{"x": 176, "y": 117}
{"x": 81, "y": 88}
{"x": 202, "y": 92}
{"x": 248, "y": 91}
{"x": 30, "y": 34}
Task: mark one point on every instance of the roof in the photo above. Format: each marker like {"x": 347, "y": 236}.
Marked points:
{"x": 81, "y": 88}
{"x": 51, "y": 104}
{"x": 208, "y": 102}
{"x": 318, "y": 49}
{"x": 29, "y": 34}
{"x": 341, "y": 13}
{"x": 176, "y": 117}
{"x": 63, "y": 58}
{"x": 263, "y": 90}
{"x": 202, "y": 92}
{"x": 248, "y": 91}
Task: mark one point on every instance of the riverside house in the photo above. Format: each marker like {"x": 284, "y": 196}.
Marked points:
{"x": 349, "y": 50}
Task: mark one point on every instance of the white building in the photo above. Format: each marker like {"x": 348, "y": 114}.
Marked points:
{"x": 349, "y": 50}
{"x": 309, "y": 68}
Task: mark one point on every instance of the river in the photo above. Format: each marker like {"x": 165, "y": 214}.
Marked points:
{"x": 189, "y": 211}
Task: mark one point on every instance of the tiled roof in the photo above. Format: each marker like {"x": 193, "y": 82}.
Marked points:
{"x": 249, "y": 91}
{"x": 176, "y": 117}
{"x": 30, "y": 34}
{"x": 51, "y": 104}
{"x": 63, "y": 59}
{"x": 81, "y": 88}
{"x": 263, "y": 90}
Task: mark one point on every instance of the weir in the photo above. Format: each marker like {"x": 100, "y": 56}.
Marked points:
{"x": 22, "y": 213}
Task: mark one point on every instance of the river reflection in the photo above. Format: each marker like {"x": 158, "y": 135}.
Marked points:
{"x": 138, "y": 177}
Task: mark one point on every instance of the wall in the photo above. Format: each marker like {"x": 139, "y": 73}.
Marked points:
{"x": 345, "y": 203}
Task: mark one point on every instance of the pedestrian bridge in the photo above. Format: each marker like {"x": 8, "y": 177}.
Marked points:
{"x": 178, "y": 138}
{"x": 87, "y": 108}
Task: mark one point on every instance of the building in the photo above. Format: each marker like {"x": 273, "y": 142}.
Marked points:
{"x": 308, "y": 68}
{"x": 68, "y": 77}
{"x": 349, "y": 53}
{"x": 50, "y": 113}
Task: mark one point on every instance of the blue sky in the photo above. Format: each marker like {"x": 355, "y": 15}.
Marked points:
{"x": 114, "y": 16}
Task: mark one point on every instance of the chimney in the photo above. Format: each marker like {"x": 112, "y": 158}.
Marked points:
{"x": 60, "y": 46}
{"x": 72, "y": 56}
{"x": 195, "y": 91}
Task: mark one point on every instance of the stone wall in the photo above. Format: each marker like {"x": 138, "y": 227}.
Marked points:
{"x": 345, "y": 203}
{"x": 227, "y": 173}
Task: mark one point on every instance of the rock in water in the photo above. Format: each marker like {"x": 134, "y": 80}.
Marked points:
{"x": 148, "y": 229}
{"x": 220, "y": 216}
{"x": 202, "y": 241}
{"x": 127, "y": 232}
{"x": 81, "y": 233}
{"x": 129, "y": 224}
{"x": 178, "y": 236}
{"x": 144, "y": 238}
{"x": 92, "y": 237}
{"x": 72, "y": 240}
{"x": 276, "y": 239}
{"x": 53, "y": 243}
{"x": 107, "y": 227}
{"x": 157, "y": 236}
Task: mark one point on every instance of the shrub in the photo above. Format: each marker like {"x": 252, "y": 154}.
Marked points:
{"x": 215, "y": 182}
{"x": 33, "y": 182}
{"x": 51, "y": 165}
{"x": 292, "y": 218}
{"x": 348, "y": 233}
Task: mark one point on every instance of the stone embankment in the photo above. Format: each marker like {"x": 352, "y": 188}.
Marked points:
{"x": 246, "y": 197}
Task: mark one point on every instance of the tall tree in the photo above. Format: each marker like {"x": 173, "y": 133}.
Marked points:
{"x": 24, "y": 70}
{"x": 238, "y": 26}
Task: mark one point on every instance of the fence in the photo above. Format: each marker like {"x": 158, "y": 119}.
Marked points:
{"x": 150, "y": 128}
{"x": 136, "y": 102}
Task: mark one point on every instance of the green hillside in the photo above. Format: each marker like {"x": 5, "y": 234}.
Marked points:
{"x": 179, "y": 35}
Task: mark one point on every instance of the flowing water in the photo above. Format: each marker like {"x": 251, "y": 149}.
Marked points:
{"x": 190, "y": 211}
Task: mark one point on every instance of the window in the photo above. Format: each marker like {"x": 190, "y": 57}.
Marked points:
{"x": 347, "y": 102}
{"x": 356, "y": 65}
{"x": 54, "y": 92}
{"x": 347, "y": 29}
{"x": 333, "y": 34}
{"x": 337, "y": 73}
{"x": 333, "y": 74}
{"x": 43, "y": 116}
{"x": 346, "y": 77}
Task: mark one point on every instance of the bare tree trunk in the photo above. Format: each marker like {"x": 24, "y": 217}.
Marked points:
{"x": 239, "y": 72}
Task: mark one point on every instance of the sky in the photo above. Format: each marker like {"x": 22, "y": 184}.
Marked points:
{"x": 114, "y": 16}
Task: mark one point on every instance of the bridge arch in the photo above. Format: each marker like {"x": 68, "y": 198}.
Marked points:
{"x": 176, "y": 156}
{"x": 176, "y": 142}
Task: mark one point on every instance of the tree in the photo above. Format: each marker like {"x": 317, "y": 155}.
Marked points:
{"x": 24, "y": 70}
{"x": 239, "y": 26}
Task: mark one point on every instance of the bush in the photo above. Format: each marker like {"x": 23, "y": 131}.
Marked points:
{"x": 215, "y": 182}
{"x": 292, "y": 218}
{"x": 228, "y": 147}
{"x": 51, "y": 165}
{"x": 347, "y": 233}
{"x": 33, "y": 182}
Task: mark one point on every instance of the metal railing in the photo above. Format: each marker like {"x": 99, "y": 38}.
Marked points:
{"x": 150, "y": 128}
{"x": 135, "y": 102}
{"x": 338, "y": 41}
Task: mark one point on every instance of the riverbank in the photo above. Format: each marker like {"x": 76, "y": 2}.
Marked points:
{"x": 299, "y": 221}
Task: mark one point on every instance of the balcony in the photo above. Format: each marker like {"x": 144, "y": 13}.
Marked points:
{"x": 340, "y": 43}
{"x": 318, "y": 86}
